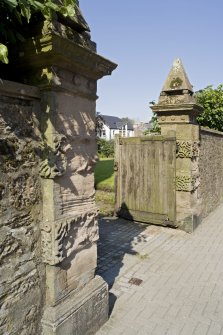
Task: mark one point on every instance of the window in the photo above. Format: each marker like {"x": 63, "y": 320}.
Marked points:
{"x": 122, "y": 132}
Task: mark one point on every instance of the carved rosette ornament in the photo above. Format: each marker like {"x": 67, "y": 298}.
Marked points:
{"x": 61, "y": 237}
{"x": 187, "y": 149}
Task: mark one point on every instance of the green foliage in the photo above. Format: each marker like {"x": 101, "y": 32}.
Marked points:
{"x": 105, "y": 202}
{"x": 3, "y": 54}
{"x": 106, "y": 148}
{"x": 147, "y": 131}
{"x": 212, "y": 101}
{"x": 155, "y": 126}
{"x": 14, "y": 14}
{"x": 98, "y": 123}
{"x": 104, "y": 184}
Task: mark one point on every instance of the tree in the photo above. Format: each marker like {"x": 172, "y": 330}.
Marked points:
{"x": 15, "y": 14}
{"x": 127, "y": 120}
{"x": 154, "y": 122}
{"x": 106, "y": 148}
{"x": 212, "y": 101}
{"x": 99, "y": 123}
{"x": 155, "y": 126}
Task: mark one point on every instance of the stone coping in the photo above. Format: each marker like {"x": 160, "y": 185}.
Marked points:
{"x": 54, "y": 50}
{"x": 211, "y": 131}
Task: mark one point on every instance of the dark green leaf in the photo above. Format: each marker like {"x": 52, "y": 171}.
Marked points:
{"x": 4, "y": 53}
{"x": 11, "y": 3}
{"x": 38, "y": 5}
{"x": 25, "y": 11}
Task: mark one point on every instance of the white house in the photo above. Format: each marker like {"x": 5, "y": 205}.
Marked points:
{"x": 112, "y": 125}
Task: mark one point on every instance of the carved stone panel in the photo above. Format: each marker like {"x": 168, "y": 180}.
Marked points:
{"x": 172, "y": 99}
{"x": 187, "y": 149}
{"x": 187, "y": 183}
{"x": 54, "y": 161}
{"x": 183, "y": 183}
{"x": 62, "y": 237}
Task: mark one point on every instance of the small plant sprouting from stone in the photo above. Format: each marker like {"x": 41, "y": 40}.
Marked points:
{"x": 142, "y": 256}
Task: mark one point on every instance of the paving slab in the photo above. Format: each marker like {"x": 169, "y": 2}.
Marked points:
{"x": 162, "y": 280}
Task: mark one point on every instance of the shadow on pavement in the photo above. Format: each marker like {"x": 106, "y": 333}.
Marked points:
{"x": 117, "y": 238}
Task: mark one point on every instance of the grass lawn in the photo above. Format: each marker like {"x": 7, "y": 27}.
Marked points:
{"x": 104, "y": 184}
{"x": 104, "y": 174}
{"x": 106, "y": 202}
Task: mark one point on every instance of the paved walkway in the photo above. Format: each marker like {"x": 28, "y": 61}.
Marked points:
{"x": 163, "y": 281}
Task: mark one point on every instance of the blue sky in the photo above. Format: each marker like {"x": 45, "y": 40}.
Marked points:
{"x": 144, "y": 37}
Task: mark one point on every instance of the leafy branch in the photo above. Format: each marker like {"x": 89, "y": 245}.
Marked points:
{"x": 212, "y": 101}
{"x": 14, "y": 14}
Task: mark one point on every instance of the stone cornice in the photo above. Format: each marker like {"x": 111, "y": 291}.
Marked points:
{"x": 54, "y": 50}
{"x": 177, "y": 108}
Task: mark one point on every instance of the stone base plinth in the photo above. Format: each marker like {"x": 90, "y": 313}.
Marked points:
{"x": 189, "y": 223}
{"x": 81, "y": 313}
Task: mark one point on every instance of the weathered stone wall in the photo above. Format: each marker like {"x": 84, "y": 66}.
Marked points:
{"x": 211, "y": 169}
{"x": 22, "y": 274}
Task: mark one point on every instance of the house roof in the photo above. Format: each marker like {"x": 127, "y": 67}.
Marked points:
{"x": 143, "y": 126}
{"x": 114, "y": 122}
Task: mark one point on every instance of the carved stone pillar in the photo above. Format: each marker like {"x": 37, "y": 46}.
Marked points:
{"x": 66, "y": 71}
{"x": 177, "y": 111}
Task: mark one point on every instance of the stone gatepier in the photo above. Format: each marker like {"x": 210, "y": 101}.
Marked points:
{"x": 177, "y": 111}
{"x": 49, "y": 227}
{"x": 199, "y": 163}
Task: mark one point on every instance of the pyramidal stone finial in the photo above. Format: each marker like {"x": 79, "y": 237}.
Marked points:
{"x": 177, "y": 104}
{"x": 178, "y": 85}
{"x": 177, "y": 78}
